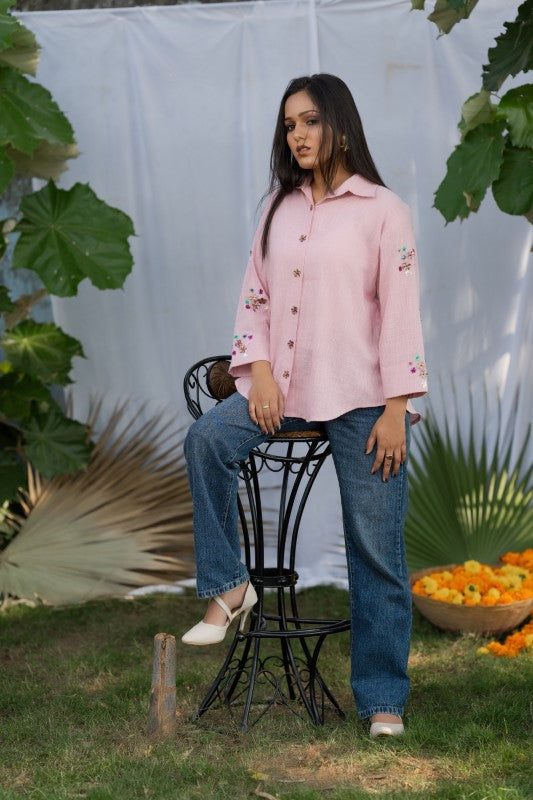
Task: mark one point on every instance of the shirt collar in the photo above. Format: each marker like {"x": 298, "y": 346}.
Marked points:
{"x": 355, "y": 184}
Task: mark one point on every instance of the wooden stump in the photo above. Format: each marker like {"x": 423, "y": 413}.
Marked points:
{"x": 162, "y": 714}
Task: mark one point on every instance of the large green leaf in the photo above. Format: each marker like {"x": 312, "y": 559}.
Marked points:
{"x": 5, "y": 301}
{"x": 477, "y": 110}
{"x": 513, "y": 191}
{"x": 41, "y": 349}
{"x": 29, "y": 115}
{"x": 12, "y": 475}
{"x": 472, "y": 167}
{"x": 47, "y": 161}
{"x": 7, "y": 169}
{"x": 8, "y": 24}
{"x": 20, "y": 393}
{"x": 55, "y": 444}
{"x": 67, "y": 236}
{"x": 513, "y": 52}
{"x": 18, "y": 46}
{"x": 448, "y": 12}
{"x": 517, "y": 107}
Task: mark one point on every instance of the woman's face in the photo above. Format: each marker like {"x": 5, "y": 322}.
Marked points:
{"x": 304, "y": 129}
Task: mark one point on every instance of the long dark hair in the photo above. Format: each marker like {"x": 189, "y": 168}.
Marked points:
{"x": 338, "y": 112}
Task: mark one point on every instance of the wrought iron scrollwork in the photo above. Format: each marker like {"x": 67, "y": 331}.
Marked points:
{"x": 253, "y": 679}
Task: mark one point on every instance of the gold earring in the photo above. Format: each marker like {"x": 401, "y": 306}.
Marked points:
{"x": 344, "y": 145}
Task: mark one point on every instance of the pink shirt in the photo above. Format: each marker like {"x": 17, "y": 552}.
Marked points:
{"x": 334, "y": 307}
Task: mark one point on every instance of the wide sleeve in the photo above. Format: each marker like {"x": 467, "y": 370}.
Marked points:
{"x": 251, "y": 335}
{"x": 401, "y": 349}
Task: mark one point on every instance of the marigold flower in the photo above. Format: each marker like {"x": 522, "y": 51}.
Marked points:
{"x": 441, "y": 594}
{"x": 458, "y": 600}
{"x": 509, "y": 583}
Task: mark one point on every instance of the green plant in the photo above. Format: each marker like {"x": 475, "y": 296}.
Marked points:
{"x": 64, "y": 236}
{"x": 464, "y": 501}
{"x": 116, "y": 524}
{"x": 496, "y": 147}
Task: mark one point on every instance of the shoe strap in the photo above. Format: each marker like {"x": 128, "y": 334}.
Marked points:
{"x": 224, "y": 607}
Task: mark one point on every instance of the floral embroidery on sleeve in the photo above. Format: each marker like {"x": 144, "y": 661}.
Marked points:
{"x": 407, "y": 258}
{"x": 256, "y": 301}
{"x": 417, "y": 365}
{"x": 239, "y": 345}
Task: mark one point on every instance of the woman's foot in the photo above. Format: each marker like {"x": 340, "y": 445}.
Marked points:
{"x": 385, "y": 725}
{"x": 240, "y": 602}
{"x": 215, "y": 615}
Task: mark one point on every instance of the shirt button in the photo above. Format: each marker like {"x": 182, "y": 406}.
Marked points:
{"x": 296, "y": 273}
{"x": 310, "y": 208}
{"x": 303, "y": 237}
{"x": 294, "y": 310}
{"x": 286, "y": 373}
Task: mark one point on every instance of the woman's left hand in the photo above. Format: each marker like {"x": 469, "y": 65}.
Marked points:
{"x": 388, "y": 433}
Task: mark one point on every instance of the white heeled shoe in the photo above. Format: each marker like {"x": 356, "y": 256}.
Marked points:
{"x": 386, "y": 729}
{"x": 204, "y": 633}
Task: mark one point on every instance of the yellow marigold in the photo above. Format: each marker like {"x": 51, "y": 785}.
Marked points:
{"x": 441, "y": 594}
{"x": 506, "y": 584}
{"x": 472, "y": 599}
{"x": 483, "y": 651}
{"x": 430, "y": 584}
{"x": 458, "y": 600}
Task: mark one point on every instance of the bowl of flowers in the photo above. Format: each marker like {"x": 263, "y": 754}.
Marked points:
{"x": 476, "y": 597}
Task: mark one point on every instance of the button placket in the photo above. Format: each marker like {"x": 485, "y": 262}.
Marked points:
{"x": 297, "y": 273}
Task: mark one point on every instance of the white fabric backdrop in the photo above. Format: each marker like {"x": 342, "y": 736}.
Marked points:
{"x": 174, "y": 110}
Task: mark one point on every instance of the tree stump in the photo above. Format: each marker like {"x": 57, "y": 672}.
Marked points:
{"x": 162, "y": 714}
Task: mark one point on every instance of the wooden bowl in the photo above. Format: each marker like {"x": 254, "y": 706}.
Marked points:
{"x": 491, "y": 620}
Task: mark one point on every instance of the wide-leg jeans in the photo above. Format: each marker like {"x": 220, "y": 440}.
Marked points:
{"x": 373, "y": 516}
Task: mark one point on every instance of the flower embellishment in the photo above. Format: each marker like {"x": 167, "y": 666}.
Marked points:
{"x": 239, "y": 345}
{"x": 290, "y": 344}
{"x": 418, "y": 366}
{"x": 407, "y": 258}
{"x": 256, "y": 300}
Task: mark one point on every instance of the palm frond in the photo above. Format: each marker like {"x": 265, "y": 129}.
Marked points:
{"x": 466, "y": 500}
{"x": 118, "y": 524}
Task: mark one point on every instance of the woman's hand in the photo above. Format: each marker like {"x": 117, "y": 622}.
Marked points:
{"x": 388, "y": 433}
{"x": 266, "y": 403}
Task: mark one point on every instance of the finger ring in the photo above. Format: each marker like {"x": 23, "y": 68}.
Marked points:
{"x": 267, "y": 406}
{"x": 388, "y": 457}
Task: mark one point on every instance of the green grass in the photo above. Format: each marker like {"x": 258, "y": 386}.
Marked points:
{"x": 74, "y": 692}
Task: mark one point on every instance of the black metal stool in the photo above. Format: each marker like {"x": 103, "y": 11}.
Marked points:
{"x": 250, "y": 678}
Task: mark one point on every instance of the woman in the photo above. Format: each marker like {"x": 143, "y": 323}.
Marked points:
{"x": 327, "y": 330}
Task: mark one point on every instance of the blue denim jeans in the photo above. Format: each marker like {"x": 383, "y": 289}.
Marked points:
{"x": 373, "y": 515}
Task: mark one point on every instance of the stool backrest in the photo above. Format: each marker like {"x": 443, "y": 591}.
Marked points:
{"x": 206, "y": 383}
